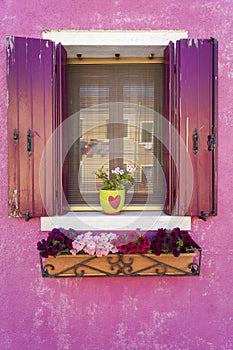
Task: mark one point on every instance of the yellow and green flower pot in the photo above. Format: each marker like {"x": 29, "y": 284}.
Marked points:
{"x": 112, "y": 201}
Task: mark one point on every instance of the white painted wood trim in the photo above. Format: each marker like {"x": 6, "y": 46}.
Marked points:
{"x": 126, "y": 221}
{"x": 114, "y": 37}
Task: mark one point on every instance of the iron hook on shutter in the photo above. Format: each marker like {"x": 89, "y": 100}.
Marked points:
{"x": 27, "y": 216}
{"x": 29, "y": 142}
{"x": 211, "y": 142}
{"x": 195, "y": 141}
{"x": 16, "y": 136}
{"x": 203, "y": 215}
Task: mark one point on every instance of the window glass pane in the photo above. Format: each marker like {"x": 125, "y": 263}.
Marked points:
{"x": 115, "y": 107}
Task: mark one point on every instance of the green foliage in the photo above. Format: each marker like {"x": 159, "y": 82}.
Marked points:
{"x": 119, "y": 180}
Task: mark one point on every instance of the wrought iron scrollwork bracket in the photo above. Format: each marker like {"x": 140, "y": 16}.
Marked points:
{"x": 121, "y": 265}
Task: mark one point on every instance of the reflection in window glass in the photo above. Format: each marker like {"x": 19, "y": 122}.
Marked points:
{"x": 115, "y": 107}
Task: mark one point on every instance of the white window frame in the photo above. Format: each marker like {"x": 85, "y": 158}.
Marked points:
{"x": 142, "y": 166}
{"x": 141, "y": 130}
{"x": 82, "y": 128}
{"x": 100, "y": 44}
{"x": 127, "y": 124}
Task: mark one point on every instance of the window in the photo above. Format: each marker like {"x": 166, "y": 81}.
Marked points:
{"x": 146, "y": 136}
{"x": 126, "y": 126}
{"x": 42, "y": 176}
{"x": 114, "y": 102}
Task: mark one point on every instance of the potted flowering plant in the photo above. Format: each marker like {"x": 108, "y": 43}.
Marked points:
{"x": 112, "y": 195}
{"x": 76, "y": 254}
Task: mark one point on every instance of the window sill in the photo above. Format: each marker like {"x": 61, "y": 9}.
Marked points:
{"x": 146, "y": 220}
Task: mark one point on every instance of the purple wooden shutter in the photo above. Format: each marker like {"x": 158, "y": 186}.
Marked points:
{"x": 196, "y": 72}
{"x": 30, "y": 77}
{"x": 62, "y": 134}
{"x": 168, "y": 126}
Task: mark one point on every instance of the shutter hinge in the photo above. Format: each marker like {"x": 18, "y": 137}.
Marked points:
{"x": 211, "y": 142}
{"x": 203, "y": 215}
{"x": 195, "y": 141}
{"x": 27, "y": 216}
{"x": 16, "y": 136}
{"x": 29, "y": 142}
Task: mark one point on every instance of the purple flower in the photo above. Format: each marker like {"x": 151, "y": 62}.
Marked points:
{"x": 144, "y": 242}
{"x": 39, "y": 245}
{"x": 172, "y": 245}
{"x": 159, "y": 246}
{"x": 44, "y": 254}
{"x": 174, "y": 234}
{"x": 56, "y": 248}
{"x": 176, "y": 253}
{"x": 133, "y": 248}
{"x": 57, "y": 235}
{"x": 157, "y": 252}
{"x": 68, "y": 243}
{"x": 55, "y": 231}
{"x": 161, "y": 234}
{"x": 55, "y": 243}
{"x": 187, "y": 239}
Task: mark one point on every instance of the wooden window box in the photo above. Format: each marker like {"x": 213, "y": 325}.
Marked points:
{"x": 114, "y": 265}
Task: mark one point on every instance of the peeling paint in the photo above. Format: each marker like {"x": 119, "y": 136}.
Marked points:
{"x": 196, "y": 41}
{"x": 26, "y": 51}
{"x": 9, "y": 49}
{"x": 14, "y": 206}
{"x": 111, "y": 313}
{"x": 10, "y": 44}
{"x": 190, "y": 41}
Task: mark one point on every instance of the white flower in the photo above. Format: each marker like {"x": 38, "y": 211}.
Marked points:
{"x": 130, "y": 168}
{"x": 117, "y": 170}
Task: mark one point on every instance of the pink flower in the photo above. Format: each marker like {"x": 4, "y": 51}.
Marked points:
{"x": 114, "y": 250}
{"x": 78, "y": 245}
{"x": 132, "y": 236}
{"x": 73, "y": 251}
{"x": 90, "y": 251}
{"x": 123, "y": 249}
{"x": 99, "y": 244}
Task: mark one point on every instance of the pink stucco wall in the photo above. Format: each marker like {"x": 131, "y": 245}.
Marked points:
{"x": 134, "y": 313}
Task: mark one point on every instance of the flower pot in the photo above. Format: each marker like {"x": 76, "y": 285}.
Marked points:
{"x": 112, "y": 201}
{"x": 120, "y": 265}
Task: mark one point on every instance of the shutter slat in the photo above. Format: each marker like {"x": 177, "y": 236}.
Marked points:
{"x": 204, "y": 159}
{"x": 43, "y": 121}
{"x": 62, "y": 134}
{"x": 169, "y": 124}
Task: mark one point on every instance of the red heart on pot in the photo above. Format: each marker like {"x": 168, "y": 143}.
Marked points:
{"x": 114, "y": 201}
